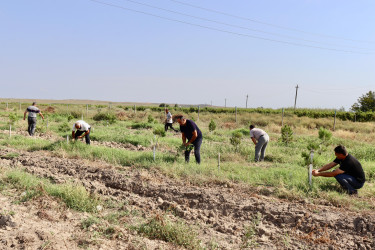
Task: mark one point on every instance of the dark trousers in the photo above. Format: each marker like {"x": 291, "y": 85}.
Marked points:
{"x": 87, "y": 137}
{"x": 169, "y": 125}
{"x": 348, "y": 182}
{"x": 197, "y": 151}
{"x": 32, "y": 124}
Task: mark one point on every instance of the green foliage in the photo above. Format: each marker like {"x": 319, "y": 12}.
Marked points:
{"x": 73, "y": 195}
{"x": 141, "y": 125}
{"x": 325, "y": 135}
{"x": 212, "y": 125}
{"x": 109, "y": 117}
{"x": 365, "y": 103}
{"x": 250, "y": 234}
{"x": 286, "y": 134}
{"x": 13, "y": 118}
{"x": 235, "y": 139}
{"x": 160, "y": 131}
{"x": 162, "y": 105}
{"x": 160, "y": 227}
{"x": 151, "y": 119}
{"x": 64, "y": 127}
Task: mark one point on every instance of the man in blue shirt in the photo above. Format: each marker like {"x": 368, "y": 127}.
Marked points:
{"x": 191, "y": 135}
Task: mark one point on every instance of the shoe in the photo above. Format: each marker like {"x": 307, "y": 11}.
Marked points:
{"x": 354, "y": 192}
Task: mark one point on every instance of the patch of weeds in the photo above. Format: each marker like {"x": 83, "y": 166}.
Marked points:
{"x": 88, "y": 222}
{"x": 114, "y": 218}
{"x": 160, "y": 227}
{"x": 249, "y": 237}
{"x": 10, "y": 156}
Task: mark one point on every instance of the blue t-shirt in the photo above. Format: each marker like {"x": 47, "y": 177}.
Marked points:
{"x": 189, "y": 128}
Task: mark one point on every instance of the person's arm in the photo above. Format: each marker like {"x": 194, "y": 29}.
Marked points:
{"x": 40, "y": 113}
{"x": 327, "y": 167}
{"x": 183, "y": 139}
{"x": 255, "y": 141}
{"x": 328, "y": 174}
{"x": 83, "y": 135}
{"x": 195, "y": 135}
{"x": 24, "y": 115}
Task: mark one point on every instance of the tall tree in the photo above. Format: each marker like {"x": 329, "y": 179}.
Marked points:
{"x": 365, "y": 103}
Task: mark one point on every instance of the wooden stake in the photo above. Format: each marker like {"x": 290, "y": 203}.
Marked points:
{"x": 334, "y": 122}
{"x": 282, "y": 119}
{"x": 235, "y": 108}
{"x": 198, "y": 112}
{"x": 218, "y": 162}
{"x": 10, "y": 130}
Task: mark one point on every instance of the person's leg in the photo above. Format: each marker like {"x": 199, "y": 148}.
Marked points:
{"x": 348, "y": 182}
{"x": 87, "y": 137}
{"x": 166, "y": 127}
{"x": 175, "y": 130}
{"x": 33, "y": 126}
{"x": 187, "y": 155}
{"x": 197, "y": 150}
{"x": 258, "y": 148}
{"x": 263, "y": 150}
{"x": 29, "y": 123}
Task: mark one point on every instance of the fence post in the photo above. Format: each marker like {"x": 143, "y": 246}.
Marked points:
{"x": 355, "y": 117}
{"x": 20, "y": 106}
{"x": 334, "y": 122}
{"x": 198, "y": 111}
{"x": 67, "y": 139}
{"x": 154, "y": 149}
{"x": 218, "y": 162}
{"x": 7, "y": 105}
{"x": 282, "y": 118}
{"x": 47, "y": 125}
{"x": 135, "y": 109}
{"x": 87, "y": 111}
{"x": 235, "y": 108}
{"x": 10, "y": 131}
{"x": 311, "y": 166}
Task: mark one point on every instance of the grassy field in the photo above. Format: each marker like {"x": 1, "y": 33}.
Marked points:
{"x": 283, "y": 173}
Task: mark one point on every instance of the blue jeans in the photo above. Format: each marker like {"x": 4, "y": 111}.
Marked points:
{"x": 348, "y": 182}
{"x": 197, "y": 151}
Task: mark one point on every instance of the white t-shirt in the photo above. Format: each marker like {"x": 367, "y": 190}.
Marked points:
{"x": 257, "y": 133}
{"x": 169, "y": 117}
{"x": 84, "y": 126}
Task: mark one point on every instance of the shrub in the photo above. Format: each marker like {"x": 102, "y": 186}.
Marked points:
{"x": 150, "y": 119}
{"x": 212, "y": 125}
{"x": 64, "y": 127}
{"x": 286, "y": 134}
{"x": 235, "y": 140}
{"x": 13, "y": 118}
{"x": 160, "y": 131}
{"x": 111, "y": 118}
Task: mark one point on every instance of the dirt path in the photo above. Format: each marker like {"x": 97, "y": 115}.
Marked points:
{"x": 221, "y": 213}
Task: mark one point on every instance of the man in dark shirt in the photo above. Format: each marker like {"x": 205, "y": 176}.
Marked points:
{"x": 192, "y": 133}
{"x": 350, "y": 174}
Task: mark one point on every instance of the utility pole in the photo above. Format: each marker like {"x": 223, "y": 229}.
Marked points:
{"x": 295, "y": 99}
{"x": 225, "y": 102}
{"x": 247, "y": 97}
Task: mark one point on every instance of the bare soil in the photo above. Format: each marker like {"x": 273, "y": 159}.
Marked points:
{"x": 221, "y": 214}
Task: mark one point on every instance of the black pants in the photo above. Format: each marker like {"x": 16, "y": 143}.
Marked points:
{"x": 87, "y": 137}
{"x": 169, "y": 125}
{"x": 32, "y": 125}
{"x": 197, "y": 151}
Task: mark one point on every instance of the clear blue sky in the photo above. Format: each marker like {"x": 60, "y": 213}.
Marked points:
{"x": 83, "y": 49}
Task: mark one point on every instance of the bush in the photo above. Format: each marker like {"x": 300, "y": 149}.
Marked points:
{"x": 236, "y": 138}
{"x": 64, "y": 127}
{"x": 13, "y": 118}
{"x": 212, "y": 125}
{"x": 160, "y": 131}
{"x": 111, "y": 118}
{"x": 286, "y": 134}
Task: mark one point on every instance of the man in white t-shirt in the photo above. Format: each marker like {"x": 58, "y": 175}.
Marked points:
{"x": 260, "y": 138}
{"x": 81, "y": 129}
{"x": 169, "y": 121}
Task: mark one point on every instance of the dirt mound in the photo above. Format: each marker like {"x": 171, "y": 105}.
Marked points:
{"x": 229, "y": 214}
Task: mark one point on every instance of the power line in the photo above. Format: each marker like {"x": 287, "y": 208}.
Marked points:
{"x": 268, "y": 24}
{"x": 242, "y": 27}
{"x": 230, "y": 32}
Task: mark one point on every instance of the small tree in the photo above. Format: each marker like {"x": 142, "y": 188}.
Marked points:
{"x": 12, "y": 118}
{"x": 365, "y": 103}
{"x": 286, "y": 134}
{"x": 235, "y": 140}
{"x": 212, "y": 125}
